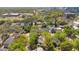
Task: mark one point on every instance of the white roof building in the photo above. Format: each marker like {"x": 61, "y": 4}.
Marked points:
{"x": 11, "y": 14}
{"x": 76, "y": 24}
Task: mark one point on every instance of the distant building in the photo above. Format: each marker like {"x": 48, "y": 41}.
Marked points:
{"x": 10, "y": 15}
{"x": 26, "y": 15}
{"x": 52, "y": 30}
{"x": 69, "y": 14}
{"x": 76, "y": 24}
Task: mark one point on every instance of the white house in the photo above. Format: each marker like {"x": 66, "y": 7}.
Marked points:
{"x": 76, "y": 24}
{"x": 11, "y": 15}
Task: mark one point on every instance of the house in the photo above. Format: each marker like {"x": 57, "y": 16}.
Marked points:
{"x": 39, "y": 49}
{"x": 52, "y": 30}
{"x": 11, "y": 15}
{"x": 8, "y": 41}
{"x": 69, "y": 14}
{"x": 76, "y": 24}
{"x": 39, "y": 23}
{"x": 26, "y": 15}
{"x": 40, "y": 40}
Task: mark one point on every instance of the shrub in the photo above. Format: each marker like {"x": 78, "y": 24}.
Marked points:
{"x": 76, "y": 44}
{"x": 60, "y": 36}
{"x": 27, "y": 28}
{"x": 33, "y": 40}
{"x": 19, "y": 43}
{"x": 66, "y": 46}
{"x": 48, "y": 41}
{"x": 70, "y": 32}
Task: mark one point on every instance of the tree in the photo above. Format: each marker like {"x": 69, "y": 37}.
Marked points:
{"x": 27, "y": 28}
{"x": 34, "y": 33}
{"x": 62, "y": 22}
{"x": 70, "y": 32}
{"x": 36, "y": 29}
{"x": 48, "y": 20}
{"x": 2, "y": 22}
{"x": 38, "y": 15}
{"x": 33, "y": 40}
{"x": 19, "y": 43}
{"x": 60, "y": 36}
{"x": 66, "y": 46}
{"x": 48, "y": 42}
{"x": 72, "y": 17}
{"x": 76, "y": 31}
{"x": 76, "y": 44}
{"x": 55, "y": 14}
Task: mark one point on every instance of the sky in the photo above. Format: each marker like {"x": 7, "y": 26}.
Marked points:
{"x": 38, "y": 3}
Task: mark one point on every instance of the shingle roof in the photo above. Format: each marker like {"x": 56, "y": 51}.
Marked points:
{"x": 9, "y": 40}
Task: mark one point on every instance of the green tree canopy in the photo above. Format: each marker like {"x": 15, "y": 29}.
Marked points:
{"x": 66, "y": 46}
{"x": 70, "y": 32}
{"x": 19, "y": 43}
{"x": 33, "y": 40}
{"x": 48, "y": 41}
{"x": 55, "y": 14}
{"x": 76, "y": 44}
{"x": 60, "y": 36}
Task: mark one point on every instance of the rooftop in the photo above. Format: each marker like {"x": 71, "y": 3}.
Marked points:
{"x": 9, "y": 40}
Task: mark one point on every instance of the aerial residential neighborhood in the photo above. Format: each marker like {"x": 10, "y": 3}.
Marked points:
{"x": 39, "y": 29}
